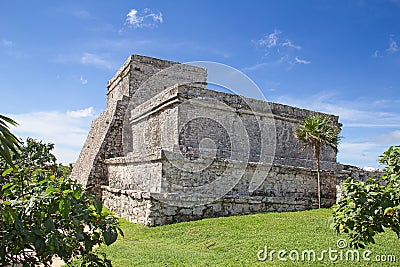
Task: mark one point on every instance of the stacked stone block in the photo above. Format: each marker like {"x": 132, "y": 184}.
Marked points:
{"x": 167, "y": 150}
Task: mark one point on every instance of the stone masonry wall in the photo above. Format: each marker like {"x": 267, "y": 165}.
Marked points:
{"x": 356, "y": 173}
{"x": 165, "y": 148}
{"x": 129, "y": 87}
{"x": 156, "y": 177}
{"x": 255, "y": 113}
{"x": 186, "y": 115}
{"x": 285, "y": 189}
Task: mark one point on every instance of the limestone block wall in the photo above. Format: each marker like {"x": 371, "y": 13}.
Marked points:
{"x": 285, "y": 118}
{"x": 347, "y": 171}
{"x": 131, "y": 85}
{"x": 134, "y": 206}
{"x": 284, "y": 189}
{"x": 167, "y": 150}
{"x": 169, "y": 160}
{"x": 163, "y": 176}
{"x": 194, "y": 120}
{"x": 128, "y": 173}
{"x": 90, "y": 169}
{"x": 278, "y": 181}
{"x": 145, "y": 208}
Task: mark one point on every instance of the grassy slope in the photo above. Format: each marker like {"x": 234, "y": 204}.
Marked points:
{"x": 235, "y": 241}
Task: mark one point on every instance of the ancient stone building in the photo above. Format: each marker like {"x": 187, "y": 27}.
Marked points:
{"x": 166, "y": 149}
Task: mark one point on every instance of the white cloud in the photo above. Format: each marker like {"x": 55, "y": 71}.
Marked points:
{"x": 357, "y": 148}
{"x": 367, "y": 152}
{"x": 392, "y": 138}
{"x": 376, "y": 54}
{"x": 289, "y": 43}
{"x": 67, "y": 130}
{"x": 6, "y": 43}
{"x": 145, "y": 19}
{"x": 354, "y": 113}
{"x": 393, "y": 47}
{"x": 270, "y": 40}
{"x": 278, "y": 51}
{"x": 391, "y": 50}
{"x": 95, "y": 60}
{"x": 82, "y": 113}
{"x": 275, "y": 63}
{"x": 83, "y": 81}
{"x": 133, "y": 19}
{"x": 255, "y": 67}
{"x": 361, "y": 154}
{"x": 302, "y": 61}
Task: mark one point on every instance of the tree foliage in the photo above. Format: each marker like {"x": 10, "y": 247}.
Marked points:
{"x": 44, "y": 214}
{"x": 33, "y": 154}
{"x": 9, "y": 143}
{"x": 369, "y": 208}
{"x": 316, "y": 131}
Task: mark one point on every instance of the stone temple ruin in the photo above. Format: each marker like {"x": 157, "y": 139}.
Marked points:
{"x": 166, "y": 149}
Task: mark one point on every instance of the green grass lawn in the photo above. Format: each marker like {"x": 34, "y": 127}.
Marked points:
{"x": 235, "y": 241}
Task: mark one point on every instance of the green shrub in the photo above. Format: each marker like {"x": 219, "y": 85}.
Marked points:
{"x": 45, "y": 215}
{"x": 370, "y": 207}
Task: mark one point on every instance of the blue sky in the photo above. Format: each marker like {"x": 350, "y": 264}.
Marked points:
{"x": 340, "y": 57}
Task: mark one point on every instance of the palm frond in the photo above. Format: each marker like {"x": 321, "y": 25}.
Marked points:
{"x": 9, "y": 143}
{"x": 318, "y": 129}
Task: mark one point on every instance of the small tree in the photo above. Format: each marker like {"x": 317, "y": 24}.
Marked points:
{"x": 43, "y": 214}
{"x": 367, "y": 208}
{"x": 315, "y": 132}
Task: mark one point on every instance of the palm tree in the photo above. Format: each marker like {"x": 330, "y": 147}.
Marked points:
{"x": 315, "y": 132}
{"x": 8, "y": 142}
